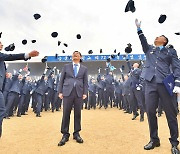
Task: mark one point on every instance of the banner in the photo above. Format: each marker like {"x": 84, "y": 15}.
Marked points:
{"x": 86, "y": 58}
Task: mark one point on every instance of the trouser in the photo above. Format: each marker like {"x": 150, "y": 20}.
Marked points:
{"x": 68, "y": 102}
{"x": 49, "y": 99}
{"x": 119, "y": 100}
{"x": 110, "y": 95}
{"x": 21, "y": 102}
{"x": 34, "y": 101}
{"x": 2, "y": 108}
{"x": 101, "y": 97}
{"x": 26, "y": 103}
{"x": 5, "y": 94}
{"x": 137, "y": 101}
{"x": 12, "y": 97}
{"x": 39, "y": 99}
{"x": 154, "y": 91}
{"x": 127, "y": 103}
{"x": 92, "y": 100}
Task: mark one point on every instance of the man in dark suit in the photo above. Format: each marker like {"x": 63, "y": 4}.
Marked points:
{"x": 57, "y": 101}
{"x": 8, "y": 57}
{"x": 101, "y": 93}
{"x": 50, "y": 85}
{"x": 73, "y": 88}
{"x": 126, "y": 95}
{"x": 136, "y": 96}
{"x": 118, "y": 93}
{"x": 109, "y": 79}
{"x": 14, "y": 93}
{"x": 93, "y": 91}
{"x": 157, "y": 68}
{"x": 26, "y": 88}
{"x": 39, "y": 93}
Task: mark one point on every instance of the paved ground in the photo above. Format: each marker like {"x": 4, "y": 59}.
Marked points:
{"x": 104, "y": 132}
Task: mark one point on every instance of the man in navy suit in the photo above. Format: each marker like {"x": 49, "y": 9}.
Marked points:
{"x": 109, "y": 79}
{"x": 9, "y": 57}
{"x": 136, "y": 95}
{"x": 73, "y": 88}
{"x": 39, "y": 93}
{"x": 50, "y": 85}
{"x": 7, "y": 86}
{"x": 126, "y": 95}
{"x": 101, "y": 90}
{"x": 57, "y": 101}
{"x": 26, "y": 88}
{"x": 14, "y": 93}
{"x": 157, "y": 68}
{"x": 118, "y": 93}
{"x": 93, "y": 90}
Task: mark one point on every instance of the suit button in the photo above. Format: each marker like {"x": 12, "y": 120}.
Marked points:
{"x": 156, "y": 62}
{"x": 155, "y": 67}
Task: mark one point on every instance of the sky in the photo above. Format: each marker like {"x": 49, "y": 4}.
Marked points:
{"x": 103, "y": 24}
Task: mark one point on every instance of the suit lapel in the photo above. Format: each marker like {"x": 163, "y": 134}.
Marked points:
{"x": 72, "y": 70}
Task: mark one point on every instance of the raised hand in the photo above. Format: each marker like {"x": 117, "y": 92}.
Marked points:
{"x": 33, "y": 53}
{"x": 138, "y": 23}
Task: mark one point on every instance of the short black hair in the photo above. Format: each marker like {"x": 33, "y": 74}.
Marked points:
{"x": 166, "y": 40}
{"x": 79, "y": 54}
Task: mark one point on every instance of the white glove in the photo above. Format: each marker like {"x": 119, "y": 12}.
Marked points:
{"x": 20, "y": 70}
{"x": 138, "y": 23}
{"x": 14, "y": 71}
{"x": 58, "y": 71}
{"x": 138, "y": 88}
{"x": 176, "y": 89}
{"x": 120, "y": 70}
{"x": 45, "y": 71}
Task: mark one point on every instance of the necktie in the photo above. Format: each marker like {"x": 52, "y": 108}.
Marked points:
{"x": 75, "y": 69}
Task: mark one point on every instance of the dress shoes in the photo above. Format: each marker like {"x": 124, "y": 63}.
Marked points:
{"x": 141, "y": 118}
{"x": 175, "y": 150}
{"x": 135, "y": 116}
{"x": 159, "y": 114}
{"x": 24, "y": 114}
{"x": 151, "y": 145}
{"x": 7, "y": 117}
{"x": 78, "y": 139}
{"x": 63, "y": 141}
{"x": 18, "y": 115}
{"x": 38, "y": 115}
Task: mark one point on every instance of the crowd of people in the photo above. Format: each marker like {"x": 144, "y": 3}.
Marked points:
{"x": 152, "y": 88}
{"x": 20, "y": 92}
{"x": 123, "y": 91}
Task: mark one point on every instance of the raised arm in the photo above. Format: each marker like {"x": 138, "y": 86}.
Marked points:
{"x": 144, "y": 43}
{"x": 21, "y": 56}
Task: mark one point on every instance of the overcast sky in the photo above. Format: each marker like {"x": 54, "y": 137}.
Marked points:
{"x": 101, "y": 23}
